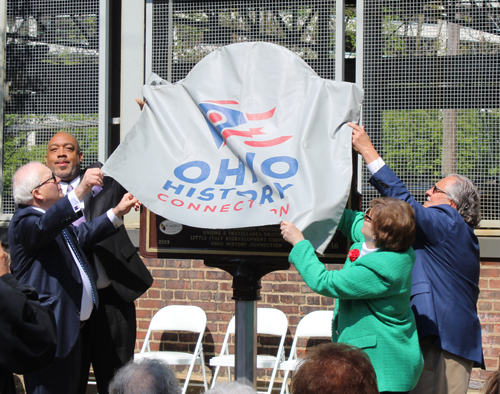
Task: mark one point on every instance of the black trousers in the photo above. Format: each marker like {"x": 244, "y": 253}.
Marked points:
{"x": 109, "y": 341}
{"x": 60, "y": 377}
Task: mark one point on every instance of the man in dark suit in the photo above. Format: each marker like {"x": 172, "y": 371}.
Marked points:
{"x": 446, "y": 273}
{"x": 122, "y": 276}
{"x": 49, "y": 254}
{"x": 28, "y": 330}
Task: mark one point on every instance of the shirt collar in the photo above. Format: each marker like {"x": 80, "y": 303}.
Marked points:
{"x": 64, "y": 185}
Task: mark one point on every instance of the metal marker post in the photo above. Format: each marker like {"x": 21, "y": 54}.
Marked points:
{"x": 246, "y": 291}
{"x": 246, "y": 343}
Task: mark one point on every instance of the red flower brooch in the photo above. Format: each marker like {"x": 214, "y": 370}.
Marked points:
{"x": 353, "y": 254}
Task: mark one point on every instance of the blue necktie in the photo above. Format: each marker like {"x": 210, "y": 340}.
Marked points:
{"x": 66, "y": 236}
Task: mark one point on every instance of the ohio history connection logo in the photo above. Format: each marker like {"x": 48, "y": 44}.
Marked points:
{"x": 231, "y": 187}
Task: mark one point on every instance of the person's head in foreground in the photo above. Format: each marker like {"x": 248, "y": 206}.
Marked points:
{"x": 335, "y": 368}
{"x": 389, "y": 224}
{"x": 493, "y": 383}
{"x": 231, "y": 388}
{"x": 146, "y": 376}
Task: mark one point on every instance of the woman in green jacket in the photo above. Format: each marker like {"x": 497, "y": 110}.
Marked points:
{"x": 373, "y": 289}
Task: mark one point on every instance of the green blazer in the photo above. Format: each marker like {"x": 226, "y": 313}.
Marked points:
{"x": 372, "y": 310}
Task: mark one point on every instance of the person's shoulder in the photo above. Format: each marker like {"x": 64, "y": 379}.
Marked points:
{"x": 25, "y": 210}
{"x": 391, "y": 266}
{"x": 384, "y": 258}
{"x": 394, "y": 256}
{"x": 446, "y": 215}
{"x": 23, "y": 218}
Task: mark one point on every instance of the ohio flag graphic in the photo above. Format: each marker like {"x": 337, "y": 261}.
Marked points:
{"x": 224, "y": 121}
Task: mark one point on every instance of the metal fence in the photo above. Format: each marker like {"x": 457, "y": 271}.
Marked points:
{"x": 430, "y": 71}
{"x": 432, "y": 92}
{"x": 183, "y": 32}
{"x": 51, "y": 78}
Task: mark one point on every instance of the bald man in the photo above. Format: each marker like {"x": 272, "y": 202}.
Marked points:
{"x": 49, "y": 254}
{"x": 109, "y": 339}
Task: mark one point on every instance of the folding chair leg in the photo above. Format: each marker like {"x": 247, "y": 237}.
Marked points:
{"x": 188, "y": 377}
{"x": 214, "y": 378}
{"x": 271, "y": 381}
{"x": 284, "y": 386}
{"x": 202, "y": 363}
{"x": 185, "y": 386}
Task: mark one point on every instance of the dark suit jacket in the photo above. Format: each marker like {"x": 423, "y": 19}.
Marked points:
{"x": 446, "y": 273}
{"x": 128, "y": 275}
{"x": 40, "y": 257}
{"x": 28, "y": 332}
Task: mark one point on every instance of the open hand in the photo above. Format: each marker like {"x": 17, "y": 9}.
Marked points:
{"x": 126, "y": 204}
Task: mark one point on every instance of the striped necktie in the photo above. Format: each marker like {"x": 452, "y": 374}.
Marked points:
{"x": 83, "y": 264}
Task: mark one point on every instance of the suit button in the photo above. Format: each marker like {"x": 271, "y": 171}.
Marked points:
{"x": 384, "y": 185}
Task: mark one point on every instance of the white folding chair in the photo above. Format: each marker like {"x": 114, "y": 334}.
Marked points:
{"x": 316, "y": 324}
{"x": 178, "y": 318}
{"x": 270, "y": 321}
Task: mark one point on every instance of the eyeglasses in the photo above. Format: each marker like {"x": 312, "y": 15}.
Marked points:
{"x": 53, "y": 177}
{"x": 366, "y": 214}
{"x": 436, "y": 189}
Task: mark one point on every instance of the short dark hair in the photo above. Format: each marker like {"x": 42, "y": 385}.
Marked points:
{"x": 148, "y": 375}
{"x": 335, "y": 368}
{"x": 393, "y": 223}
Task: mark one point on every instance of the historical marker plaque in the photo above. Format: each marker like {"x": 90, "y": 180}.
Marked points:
{"x": 162, "y": 238}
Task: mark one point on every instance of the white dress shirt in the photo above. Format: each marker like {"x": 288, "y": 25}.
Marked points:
{"x": 87, "y": 303}
{"x": 375, "y": 165}
{"x": 102, "y": 277}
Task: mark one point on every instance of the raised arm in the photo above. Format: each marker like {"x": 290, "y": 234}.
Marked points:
{"x": 362, "y": 144}
{"x": 432, "y": 223}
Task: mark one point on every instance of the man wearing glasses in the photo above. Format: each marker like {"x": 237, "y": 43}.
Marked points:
{"x": 49, "y": 254}
{"x": 446, "y": 273}
{"x": 122, "y": 276}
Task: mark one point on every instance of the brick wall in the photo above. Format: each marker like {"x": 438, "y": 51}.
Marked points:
{"x": 488, "y": 308}
{"x": 191, "y": 282}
